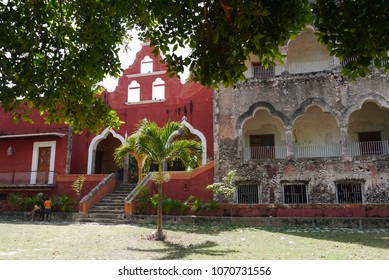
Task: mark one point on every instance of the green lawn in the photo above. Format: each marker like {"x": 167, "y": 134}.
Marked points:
{"x": 56, "y": 241}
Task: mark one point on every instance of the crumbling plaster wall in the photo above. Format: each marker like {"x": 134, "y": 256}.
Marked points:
{"x": 287, "y": 97}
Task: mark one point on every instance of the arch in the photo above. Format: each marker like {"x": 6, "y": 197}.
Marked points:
{"x": 196, "y": 132}
{"x": 309, "y": 27}
{"x": 370, "y": 97}
{"x": 133, "y": 92}
{"x": 146, "y": 65}
{"x": 262, "y": 135}
{"x": 93, "y": 146}
{"x": 369, "y": 123}
{"x": 316, "y": 127}
{"x": 158, "y": 89}
{"x": 254, "y": 108}
{"x": 305, "y": 54}
{"x": 250, "y": 114}
{"x": 318, "y": 102}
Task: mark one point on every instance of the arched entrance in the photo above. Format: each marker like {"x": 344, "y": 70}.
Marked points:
{"x": 193, "y": 134}
{"x": 100, "y": 154}
{"x": 104, "y": 162}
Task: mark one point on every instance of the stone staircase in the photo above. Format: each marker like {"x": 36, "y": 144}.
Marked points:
{"x": 109, "y": 210}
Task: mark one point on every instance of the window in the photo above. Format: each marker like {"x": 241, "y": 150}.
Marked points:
{"x": 3, "y": 196}
{"x": 295, "y": 193}
{"x": 146, "y": 65}
{"x": 259, "y": 71}
{"x": 133, "y": 92}
{"x": 247, "y": 194}
{"x": 349, "y": 192}
{"x": 262, "y": 146}
{"x": 158, "y": 89}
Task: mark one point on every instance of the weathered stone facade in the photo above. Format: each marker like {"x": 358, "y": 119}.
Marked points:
{"x": 287, "y": 98}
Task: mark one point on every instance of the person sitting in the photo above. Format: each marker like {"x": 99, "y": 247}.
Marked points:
{"x": 37, "y": 209}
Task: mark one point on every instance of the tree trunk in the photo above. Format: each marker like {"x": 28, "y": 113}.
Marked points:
{"x": 159, "y": 214}
{"x": 160, "y": 206}
{"x": 69, "y": 150}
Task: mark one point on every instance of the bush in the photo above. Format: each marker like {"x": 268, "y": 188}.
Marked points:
{"x": 143, "y": 201}
{"x": 199, "y": 206}
{"x": 63, "y": 203}
{"x": 24, "y": 202}
{"x": 224, "y": 190}
{"x": 169, "y": 204}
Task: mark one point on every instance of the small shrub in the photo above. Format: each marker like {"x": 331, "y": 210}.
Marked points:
{"x": 14, "y": 200}
{"x": 78, "y": 185}
{"x": 143, "y": 201}
{"x": 224, "y": 190}
{"x": 199, "y": 205}
{"x": 62, "y": 203}
{"x": 169, "y": 204}
{"x": 24, "y": 202}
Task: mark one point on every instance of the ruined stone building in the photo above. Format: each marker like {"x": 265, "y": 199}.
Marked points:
{"x": 300, "y": 133}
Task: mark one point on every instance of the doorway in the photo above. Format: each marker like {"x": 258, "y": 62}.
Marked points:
{"x": 370, "y": 143}
{"x": 262, "y": 146}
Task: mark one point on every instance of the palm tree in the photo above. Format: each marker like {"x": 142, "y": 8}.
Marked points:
{"x": 129, "y": 147}
{"x": 155, "y": 143}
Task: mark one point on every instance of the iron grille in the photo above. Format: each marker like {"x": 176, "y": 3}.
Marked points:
{"x": 259, "y": 71}
{"x": 349, "y": 192}
{"x": 295, "y": 193}
{"x": 248, "y": 194}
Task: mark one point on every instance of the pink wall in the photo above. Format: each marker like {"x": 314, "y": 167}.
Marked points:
{"x": 182, "y": 184}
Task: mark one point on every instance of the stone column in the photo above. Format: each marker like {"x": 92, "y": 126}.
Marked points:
{"x": 289, "y": 144}
{"x": 345, "y": 142}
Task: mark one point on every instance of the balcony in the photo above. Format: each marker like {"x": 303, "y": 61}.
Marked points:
{"x": 27, "y": 179}
{"x": 317, "y": 151}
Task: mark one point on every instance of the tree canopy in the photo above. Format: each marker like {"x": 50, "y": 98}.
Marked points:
{"x": 53, "y": 53}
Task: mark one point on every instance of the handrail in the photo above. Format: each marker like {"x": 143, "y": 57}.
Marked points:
{"x": 130, "y": 203}
{"x": 98, "y": 192}
{"x": 26, "y": 178}
{"x": 138, "y": 188}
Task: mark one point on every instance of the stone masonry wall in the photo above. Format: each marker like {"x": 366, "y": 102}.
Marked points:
{"x": 287, "y": 97}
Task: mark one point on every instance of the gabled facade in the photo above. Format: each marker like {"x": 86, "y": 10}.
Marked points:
{"x": 145, "y": 91}
{"x": 35, "y": 157}
{"x": 300, "y": 134}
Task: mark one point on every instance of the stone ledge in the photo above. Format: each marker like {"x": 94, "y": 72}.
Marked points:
{"x": 318, "y": 222}
{"x": 265, "y": 221}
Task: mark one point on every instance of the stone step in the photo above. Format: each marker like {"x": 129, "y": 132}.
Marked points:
{"x": 110, "y": 202}
{"x": 110, "y": 209}
{"x": 118, "y": 207}
{"x": 107, "y": 215}
{"x": 101, "y": 221}
{"x": 115, "y": 196}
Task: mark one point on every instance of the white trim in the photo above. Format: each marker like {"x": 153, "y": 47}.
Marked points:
{"x": 48, "y": 134}
{"x": 93, "y": 147}
{"x": 196, "y": 132}
{"x": 145, "y": 101}
{"x": 146, "y": 74}
{"x": 35, "y": 158}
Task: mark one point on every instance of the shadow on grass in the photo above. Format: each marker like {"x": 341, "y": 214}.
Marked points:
{"x": 174, "y": 251}
{"x": 364, "y": 237}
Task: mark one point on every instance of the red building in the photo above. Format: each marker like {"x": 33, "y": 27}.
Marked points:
{"x": 38, "y": 156}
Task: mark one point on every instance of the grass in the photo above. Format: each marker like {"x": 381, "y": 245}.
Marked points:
{"x": 72, "y": 241}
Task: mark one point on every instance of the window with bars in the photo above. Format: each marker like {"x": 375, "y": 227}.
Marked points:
{"x": 349, "y": 192}
{"x": 247, "y": 194}
{"x": 295, "y": 193}
{"x": 259, "y": 71}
